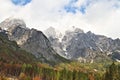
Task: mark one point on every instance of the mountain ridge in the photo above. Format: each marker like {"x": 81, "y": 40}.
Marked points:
{"x": 73, "y": 45}
{"x": 85, "y": 47}
{"x": 31, "y": 40}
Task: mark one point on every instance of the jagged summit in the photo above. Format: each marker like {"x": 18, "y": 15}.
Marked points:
{"x": 11, "y": 23}
{"x": 86, "y": 47}
{"x": 31, "y": 40}
{"x": 50, "y": 32}
{"x": 74, "y": 44}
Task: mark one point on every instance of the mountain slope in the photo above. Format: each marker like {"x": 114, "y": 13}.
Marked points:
{"x": 86, "y": 47}
{"x": 10, "y": 52}
{"x": 31, "y": 40}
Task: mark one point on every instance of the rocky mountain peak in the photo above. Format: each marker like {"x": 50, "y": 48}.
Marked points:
{"x": 86, "y": 47}
{"x": 78, "y": 30}
{"x": 50, "y": 32}
{"x": 31, "y": 40}
{"x": 11, "y": 23}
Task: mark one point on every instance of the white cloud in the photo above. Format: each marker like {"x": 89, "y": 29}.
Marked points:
{"x": 102, "y": 16}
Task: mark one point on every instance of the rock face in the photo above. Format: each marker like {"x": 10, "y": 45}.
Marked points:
{"x": 32, "y": 40}
{"x": 10, "y": 52}
{"x": 86, "y": 47}
{"x": 55, "y": 37}
{"x": 11, "y": 23}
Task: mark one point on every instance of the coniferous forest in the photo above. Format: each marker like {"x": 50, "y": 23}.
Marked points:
{"x": 71, "y": 71}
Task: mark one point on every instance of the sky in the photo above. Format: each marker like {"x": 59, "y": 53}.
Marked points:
{"x": 99, "y": 16}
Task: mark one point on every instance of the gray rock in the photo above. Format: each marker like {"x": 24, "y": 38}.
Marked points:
{"x": 85, "y": 47}
{"x": 31, "y": 40}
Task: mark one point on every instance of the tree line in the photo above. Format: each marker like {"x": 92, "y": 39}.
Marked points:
{"x": 45, "y": 72}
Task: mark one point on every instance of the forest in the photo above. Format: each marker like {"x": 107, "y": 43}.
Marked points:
{"x": 63, "y": 71}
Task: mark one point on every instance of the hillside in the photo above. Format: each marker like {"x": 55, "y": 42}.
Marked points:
{"x": 11, "y": 53}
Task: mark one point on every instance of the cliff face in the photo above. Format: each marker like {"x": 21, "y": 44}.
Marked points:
{"x": 31, "y": 40}
{"x": 10, "y": 52}
{"x": 86, "y": 47}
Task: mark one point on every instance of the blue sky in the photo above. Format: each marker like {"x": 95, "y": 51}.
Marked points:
{"x": 21, "y": 2}
{"x": 98, "y": 16}
{"x": 72, "y": 8}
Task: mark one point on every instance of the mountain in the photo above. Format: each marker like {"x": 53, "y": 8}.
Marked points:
{"x": 10, "y": 52}
{"x": 31, "y": 40}
{"x": 86, "y": 47}
{"x": 55, "y": 38}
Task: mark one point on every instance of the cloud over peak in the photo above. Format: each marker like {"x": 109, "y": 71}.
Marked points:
{"x": 99, "y": 16}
